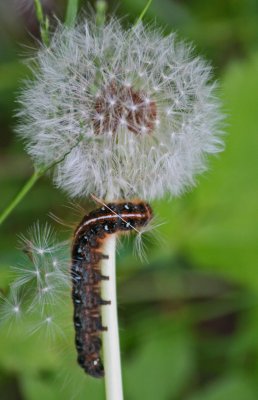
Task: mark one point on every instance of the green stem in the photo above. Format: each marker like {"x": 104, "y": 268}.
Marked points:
{"x": 139, "y": 19}
{"x": 101, "y": 8}
{"x": 43, "y": 22}
{"x": 31, "y": 182}
{"x": 25, "y": 189}
{"x": 72, "y": 10}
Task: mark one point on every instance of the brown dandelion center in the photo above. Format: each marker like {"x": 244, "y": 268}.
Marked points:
{"x": 121, "y": 106}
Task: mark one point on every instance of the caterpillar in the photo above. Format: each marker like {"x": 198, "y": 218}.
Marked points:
{"x": 86, "y": 274}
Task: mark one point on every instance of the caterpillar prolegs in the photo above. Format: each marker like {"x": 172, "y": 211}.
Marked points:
{"x": 86, "y": 274}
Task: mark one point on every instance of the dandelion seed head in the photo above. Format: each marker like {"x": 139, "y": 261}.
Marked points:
{"x": 105, "y": 97}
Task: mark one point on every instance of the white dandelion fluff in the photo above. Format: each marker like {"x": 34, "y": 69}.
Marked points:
{"x": 129, "y": 112}
{"x": 11, "y": 307}
{"x": 41, "y": 282}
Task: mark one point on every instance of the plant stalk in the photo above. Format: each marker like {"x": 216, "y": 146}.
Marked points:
{"x": 25, "y": 189}
{"x": 111, "y": 348}
{"x": 71, "y": 13}
{"x": 39, "y": 171}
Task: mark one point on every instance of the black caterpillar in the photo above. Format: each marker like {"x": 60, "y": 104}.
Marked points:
{"x": 86, "y": 274}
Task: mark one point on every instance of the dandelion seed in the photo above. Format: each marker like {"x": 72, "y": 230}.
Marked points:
{"x": 48, "y": 320}
{"x": 47, "y": 326}
{"x": 11, "y": 307}
{"x": 42, "y": 280}
{"x": 26, "y": 275}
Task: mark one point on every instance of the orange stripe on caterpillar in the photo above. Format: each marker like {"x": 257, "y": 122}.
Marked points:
{"x": 94, "y": 228}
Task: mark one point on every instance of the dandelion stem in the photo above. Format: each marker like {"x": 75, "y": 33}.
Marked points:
{"x": 72, "y": 9}
{"x": 25, "y": 189}
{"x": 31, "y": 182}
{"x": 111, "y": 348}
{"x": 101, "y": 8}
{"x": 141, "y": 16}
{"x": 43, "y": 22}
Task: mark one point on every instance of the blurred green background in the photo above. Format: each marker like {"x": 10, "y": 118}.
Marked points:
{"x": 189, "y": 318}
